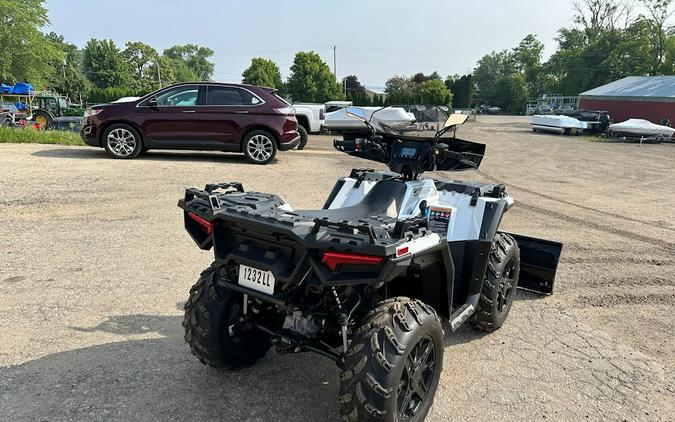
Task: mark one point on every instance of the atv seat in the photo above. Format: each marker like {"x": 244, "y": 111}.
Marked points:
{"x": 383, "y": 199}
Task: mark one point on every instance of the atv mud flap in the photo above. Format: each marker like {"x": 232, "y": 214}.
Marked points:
{"x": 538, "y": 263}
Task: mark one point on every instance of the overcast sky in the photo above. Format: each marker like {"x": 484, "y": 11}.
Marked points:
{"x": 374, "y": 39}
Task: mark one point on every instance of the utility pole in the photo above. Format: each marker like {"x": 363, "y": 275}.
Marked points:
{"x": 334, "y": 64}
{"x": 159, "y": 75}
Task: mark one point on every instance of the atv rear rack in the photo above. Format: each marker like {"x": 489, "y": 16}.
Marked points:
{"x": 212, "y": 198}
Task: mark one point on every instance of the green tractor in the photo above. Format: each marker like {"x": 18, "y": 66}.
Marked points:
{"x": 52, "y": 110}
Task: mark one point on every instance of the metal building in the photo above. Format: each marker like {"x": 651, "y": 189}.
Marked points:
{"x": 640, "y": 97}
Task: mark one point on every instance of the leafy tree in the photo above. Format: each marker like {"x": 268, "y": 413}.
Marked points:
{"x": 435, "y": 92}
{"x": 263, "y": 72}
{"x": 311, "y": 79}
{"x": 352, "y": 84}
{"x": 669, "y": 58}
{"x": 400, "y": 89}
{"x": 420, "y": 78}
{"x": 597, "y": 16}
{"x": 658, "y": 14}
{"x": 67, "y": 76}
{"x": 25, "y": 52}
{"x": 527, "y": 58}
{"x": 510, "y": 94}
{"x": 355, "y": 92}
{"x": 143, "y": 62}
{"x": 462, "y": 90}
{"x": 181, "y": 71}
{"x": 105, "y": 95}
{"x": 194, "y": 57}
{"x": 104, "y": 64}
{"x": 492, "y": 68}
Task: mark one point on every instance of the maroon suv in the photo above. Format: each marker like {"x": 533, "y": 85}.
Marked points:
{"x": 196, "y": 115}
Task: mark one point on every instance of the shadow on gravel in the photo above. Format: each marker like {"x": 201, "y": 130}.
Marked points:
{"x": 466, "y": 333}
{"x": 97, "y": 153}
{"x": 158, "y": 379}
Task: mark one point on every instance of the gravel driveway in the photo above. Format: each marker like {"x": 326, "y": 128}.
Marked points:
{"x": 95, "y": 266}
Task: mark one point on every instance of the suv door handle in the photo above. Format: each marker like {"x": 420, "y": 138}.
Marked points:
{"x": 188, "y": 111}
{"x": 240, "y": 112}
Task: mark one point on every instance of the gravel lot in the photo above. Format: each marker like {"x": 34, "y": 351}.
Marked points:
{"x": 95, "y": 266}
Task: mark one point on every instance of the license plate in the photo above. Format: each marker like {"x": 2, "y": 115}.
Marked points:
{"x": 253, "y": 278}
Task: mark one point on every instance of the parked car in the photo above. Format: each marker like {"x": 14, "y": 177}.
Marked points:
{"x": 199, "y": 116}
{"x": 311, "y": 118}
{"x": 486, "y": 109}
{"x": 543, "y": 109}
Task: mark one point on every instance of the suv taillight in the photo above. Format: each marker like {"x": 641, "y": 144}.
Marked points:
{"x": 286, "y": 111}
{"x": 322, "y": 114}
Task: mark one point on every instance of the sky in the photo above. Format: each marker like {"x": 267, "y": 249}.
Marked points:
{"x": 374, "y": 39}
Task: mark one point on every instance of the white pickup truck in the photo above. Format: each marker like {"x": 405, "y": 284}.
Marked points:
{"x": 311, "y": 118}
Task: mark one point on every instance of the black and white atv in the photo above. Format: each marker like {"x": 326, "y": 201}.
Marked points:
{"x": 366, "y": 280}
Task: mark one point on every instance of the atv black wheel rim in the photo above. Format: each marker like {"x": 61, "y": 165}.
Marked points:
{"x": 416, "y": 379}
{"x": 507, "y": 285}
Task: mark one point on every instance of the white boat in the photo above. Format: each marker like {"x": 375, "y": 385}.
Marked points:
{"x": 558, "y": 124}
{"x": 394, "y": 117}
{"x": 639, "y": 127}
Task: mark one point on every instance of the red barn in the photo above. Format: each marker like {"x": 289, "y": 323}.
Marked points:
{"x": 638, "y": 97}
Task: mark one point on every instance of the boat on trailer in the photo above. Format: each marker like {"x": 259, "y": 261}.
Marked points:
{"x": 563, "y": 125}
{"x": 638, "y": 128}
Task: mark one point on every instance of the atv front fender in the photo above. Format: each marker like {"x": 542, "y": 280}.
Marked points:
{"x": 538, "y": 263}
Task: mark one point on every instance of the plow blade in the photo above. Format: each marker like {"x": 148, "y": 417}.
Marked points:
{"x": 538, "y": 263}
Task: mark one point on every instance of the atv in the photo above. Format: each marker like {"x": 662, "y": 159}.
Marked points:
{"x": 365, "y": 280}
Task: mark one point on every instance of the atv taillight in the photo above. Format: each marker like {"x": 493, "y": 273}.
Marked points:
{"x": 333, "y": 259}
{"x": 207, "y": 226}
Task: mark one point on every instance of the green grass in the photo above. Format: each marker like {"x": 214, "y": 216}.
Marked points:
{"x": 31, "y": 136}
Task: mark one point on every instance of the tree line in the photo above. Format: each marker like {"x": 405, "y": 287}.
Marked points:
{"x": 610, "y": 39}
{"x": 100, "y": 71}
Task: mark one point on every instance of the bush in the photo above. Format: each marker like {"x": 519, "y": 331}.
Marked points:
{"x": 29, "y": 135}
{"x": 98, "y": 95}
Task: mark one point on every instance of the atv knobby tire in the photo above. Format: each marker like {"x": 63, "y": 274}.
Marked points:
{"x": 386, "y": 345}
{"x": 499, "y": 285}
{"x": 209, "y": 313}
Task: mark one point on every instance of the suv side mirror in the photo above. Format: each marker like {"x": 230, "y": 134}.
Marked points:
{"x": 152, "y": 102}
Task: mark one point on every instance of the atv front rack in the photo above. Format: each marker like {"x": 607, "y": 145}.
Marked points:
{"x": 381, "y": 230}
{"x": 345, "y": 226}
